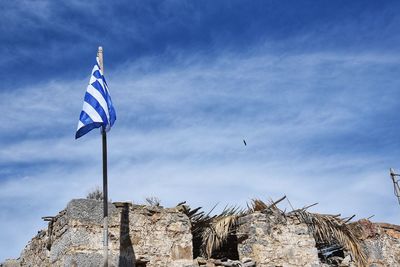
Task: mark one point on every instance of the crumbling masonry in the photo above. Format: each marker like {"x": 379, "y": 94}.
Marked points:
{"x": 153, "y": 236}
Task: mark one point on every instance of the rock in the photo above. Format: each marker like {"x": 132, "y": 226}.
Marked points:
{"x": 381, "y": 242}
{"x": 335, "y": 260}
{"x": 244, "y": 260}
{"x": 11, "y": 263}
{"x": 249, "y": 264}
{"x": 346, "y": 261}
{"x": 201, "y": 261}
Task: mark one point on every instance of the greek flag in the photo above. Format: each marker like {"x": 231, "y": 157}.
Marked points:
{"x": 98, "y": 110}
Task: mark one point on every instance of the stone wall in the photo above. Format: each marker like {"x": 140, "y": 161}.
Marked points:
{"x": 156, "y": 237}
{"x": 161, "y": 236}
{"x": 36, "y": 253}
{"x": 147, "y": 236}
{"x": 275, "y": 240}
{"x": 271, "y": 240}
{"x": 381, "y": 242}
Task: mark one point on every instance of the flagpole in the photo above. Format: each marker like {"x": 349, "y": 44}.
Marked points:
{"x": 105, "y": 186}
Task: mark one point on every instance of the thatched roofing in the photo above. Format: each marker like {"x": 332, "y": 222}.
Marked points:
{"x": 210, "y": 233}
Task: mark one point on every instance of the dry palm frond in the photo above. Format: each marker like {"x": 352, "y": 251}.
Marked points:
{"x": 257, "y": 205}
{"x": 211, "y": 233}
{"x": 216, "y": 235}
{"x": 216, "y": 231}
{"x": 330, "y": 229}
{"x": 199, "y": 222}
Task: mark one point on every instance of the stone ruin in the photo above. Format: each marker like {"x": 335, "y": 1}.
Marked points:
{"x": 138, "y": 236}
{"x": 153, "y": 236}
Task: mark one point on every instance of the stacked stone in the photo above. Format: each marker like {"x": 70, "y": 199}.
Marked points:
{"x": 380, "y": 241}
{"x": 35, "y": 253}
{"x": 139, "y": 236}
{"x": 152, "y": 236}
{"x": 160, "y": 236}
{"x": 271, "y": 240}
{"x": 10, "y": 263}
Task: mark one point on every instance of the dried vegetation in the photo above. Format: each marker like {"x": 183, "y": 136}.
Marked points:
{"x": 212, "y": 232}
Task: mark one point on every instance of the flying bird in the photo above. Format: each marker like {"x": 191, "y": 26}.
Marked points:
{"x": 244, "y": 142}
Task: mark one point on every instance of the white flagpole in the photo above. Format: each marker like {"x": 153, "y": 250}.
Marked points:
{"x": 105, "y": 191}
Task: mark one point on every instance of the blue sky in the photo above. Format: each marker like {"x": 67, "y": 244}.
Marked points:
{"x": 312, "y": 86}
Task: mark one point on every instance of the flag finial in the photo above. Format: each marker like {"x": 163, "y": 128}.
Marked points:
{"x": 100, "y": 56}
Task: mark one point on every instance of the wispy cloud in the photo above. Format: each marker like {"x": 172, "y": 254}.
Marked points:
{"x": 179, "y": 136}
{"x": 39, "y": 39}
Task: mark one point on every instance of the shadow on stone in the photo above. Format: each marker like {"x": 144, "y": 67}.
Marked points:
{"x": 126, "y": 253}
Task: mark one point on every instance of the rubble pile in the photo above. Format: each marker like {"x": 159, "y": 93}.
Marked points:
{"x": 202, "y": 262}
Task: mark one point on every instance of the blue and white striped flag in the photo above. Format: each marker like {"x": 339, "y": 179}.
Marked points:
{"x": 98, "y": 110}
